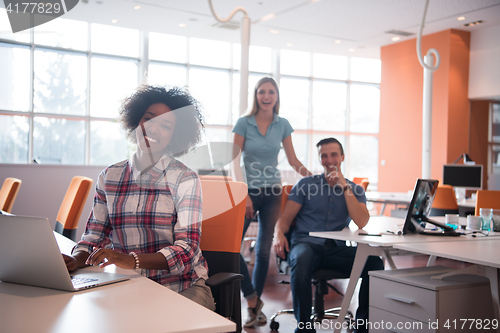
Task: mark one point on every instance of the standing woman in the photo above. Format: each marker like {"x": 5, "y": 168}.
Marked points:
{"x": 260, "y": 135}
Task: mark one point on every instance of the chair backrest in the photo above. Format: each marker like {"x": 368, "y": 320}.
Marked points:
{"x": 444, "y": 202}
{"x": 445, "y": 198}
{"x": 216, "y": 177}
{"x": 362, "y": 181}
{"x": 72, "y": 206}
{"x": 224, "y": 206}
{"x": 282, "y": 264}
{"x": 8, "y": 193}
{"x": 487, "y": 199}
{"x": 223, "y": 215}
{"x": 285, "y": 192}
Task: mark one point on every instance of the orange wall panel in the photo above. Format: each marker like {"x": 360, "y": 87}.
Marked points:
{"x": 401, "y": 99}
{"x": 459, "y": 106}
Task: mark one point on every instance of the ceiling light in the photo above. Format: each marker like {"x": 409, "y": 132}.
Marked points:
{"x": 182, "y": 25}
{"x": 338, "y": 41}
{"x": 399, "y": 33}
{"x": 461, "y": 18}
{"x": 395, "y": 39}
{"x": 137, "y": 7}
{"x": 351, "y": 50}
{"x": 473, "y": 23}
{"x": 289, "y": 44}
{"x": 114, "y": 21}
{"x": 274, "y": 31}
{"x": 267, "y": 17}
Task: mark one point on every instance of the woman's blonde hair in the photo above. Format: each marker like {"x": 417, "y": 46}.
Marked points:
{"x": 255, "y": 106}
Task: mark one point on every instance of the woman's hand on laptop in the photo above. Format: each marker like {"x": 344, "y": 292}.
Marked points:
{"x": 75, "y": 261}
{"x": 70, "y": 261}
{"x": 105, "y": 257}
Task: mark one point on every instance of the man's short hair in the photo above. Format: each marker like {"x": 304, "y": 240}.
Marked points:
{"x": 330, "y": 140}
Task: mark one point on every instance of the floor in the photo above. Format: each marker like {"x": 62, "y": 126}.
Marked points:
{"x": 277, "y": 296}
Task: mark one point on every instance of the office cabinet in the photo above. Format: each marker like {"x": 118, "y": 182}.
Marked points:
{"x": 408, "y": 300}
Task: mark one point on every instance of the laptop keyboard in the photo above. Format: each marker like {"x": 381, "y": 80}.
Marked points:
{"x": 81, "y": 280}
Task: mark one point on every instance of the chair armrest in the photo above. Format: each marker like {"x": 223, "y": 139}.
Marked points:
{"x": 222, "y": 279}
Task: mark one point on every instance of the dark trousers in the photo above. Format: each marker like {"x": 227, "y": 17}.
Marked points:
{"x": 305, "y": 258}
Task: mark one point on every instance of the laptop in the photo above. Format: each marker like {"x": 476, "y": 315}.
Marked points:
{"x": 29, "y": 255}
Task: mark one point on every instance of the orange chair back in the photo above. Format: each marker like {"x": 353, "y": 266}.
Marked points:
{"x": 216, "y": 177}
{"x": 224, "y": 205}
{"x": 358, "y": 180}
{"x": 445, "y": 198}
{"x": 285, "y": 192}
{"x": 487, "y": 199}
{"x": 73, "y": 202}
{"x": 8, "y": 193}
{"x": 362, "y": 181}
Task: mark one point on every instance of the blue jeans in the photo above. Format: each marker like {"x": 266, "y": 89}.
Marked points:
{"x": 305, "y": 258}
{"x": 267, "y": 201}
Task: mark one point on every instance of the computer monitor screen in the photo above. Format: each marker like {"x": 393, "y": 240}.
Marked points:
{"x": 420, "y": 205}
{"x": 466, "y": 176}
{"x": 419, "y": 209}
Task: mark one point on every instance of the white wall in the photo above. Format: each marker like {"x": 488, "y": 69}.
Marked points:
{"x": 44, "y": 186}
{"x": 484, "y": 69}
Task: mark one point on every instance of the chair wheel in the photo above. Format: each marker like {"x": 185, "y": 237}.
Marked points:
{"x": 274, "y": 326}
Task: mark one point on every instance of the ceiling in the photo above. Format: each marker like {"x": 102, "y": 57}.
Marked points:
{"x": 343, "y": 27}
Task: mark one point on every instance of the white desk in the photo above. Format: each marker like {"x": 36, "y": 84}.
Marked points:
{"x": 379, "y": 245}
{"x": 385, "y": 198}
{"x": 137, "y": 305}
{"x": 404, "y": 199}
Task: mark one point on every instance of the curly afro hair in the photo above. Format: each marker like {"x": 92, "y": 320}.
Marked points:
{"x": 189, "y": 119}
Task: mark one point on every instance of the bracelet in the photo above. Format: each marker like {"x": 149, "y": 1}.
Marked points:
{"x": 136, "y": 258}
{"x": 347, "y": 187}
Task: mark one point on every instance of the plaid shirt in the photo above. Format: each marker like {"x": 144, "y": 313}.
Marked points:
{"x": 156, "y": 211}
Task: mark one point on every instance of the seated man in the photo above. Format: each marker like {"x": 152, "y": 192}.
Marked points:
{"x": 325, "y": 202}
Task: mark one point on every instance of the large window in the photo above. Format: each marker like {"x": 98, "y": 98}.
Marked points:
{"x": 60, "y": 92}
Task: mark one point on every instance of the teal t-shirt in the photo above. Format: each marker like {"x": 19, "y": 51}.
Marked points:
{"x": 260, "y": 153}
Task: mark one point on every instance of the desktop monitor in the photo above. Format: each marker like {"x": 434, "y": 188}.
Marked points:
{"x": 419, "y": 209}
{"x": 463, "y": 176}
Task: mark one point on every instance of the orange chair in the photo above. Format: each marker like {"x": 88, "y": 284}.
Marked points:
{"x": 361, "y": 181}
{"x": 444, "y": 202}
{"x": 285, "y": 192}
{"x": 487, "y": 199}
{"x": 216, "y": 177}
{"x": 72, "y": 206}
{"x": 224, "y": 206}
{"x": 8, "y": 193}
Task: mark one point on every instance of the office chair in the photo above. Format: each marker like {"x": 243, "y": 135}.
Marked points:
{"x": 361, "y": 181}
{"x": 72, "y": 206}
{"x": 487, "y": 199}
{"x": 8, "y": 193}
{"x": 444, "y": 202}
{"x": 216, "y": 177}
{"x": 319, "y": 280}
{"x": 222, "y": 227}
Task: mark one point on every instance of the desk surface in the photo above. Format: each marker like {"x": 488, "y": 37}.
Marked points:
{"x": 404, "y": 198}
{"x": 380, "y": 224}
{"x": 389, "y": 197}
{"x": 449, "y": 247}
{"x": 136, "y": 305}
{"x": 484, "y": 252}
